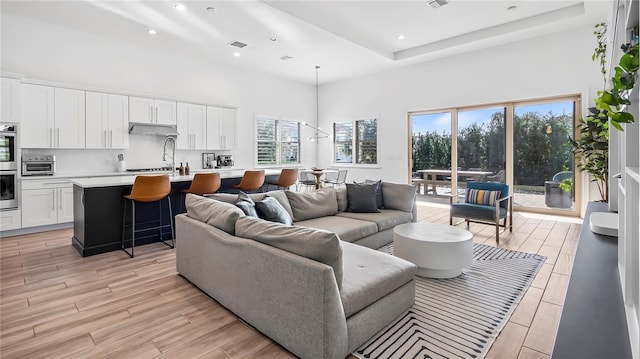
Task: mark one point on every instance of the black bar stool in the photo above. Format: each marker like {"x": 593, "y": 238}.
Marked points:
{"x": 148, "y": 189}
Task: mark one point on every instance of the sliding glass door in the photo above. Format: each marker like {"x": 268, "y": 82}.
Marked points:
{"x": 524, "y": 144}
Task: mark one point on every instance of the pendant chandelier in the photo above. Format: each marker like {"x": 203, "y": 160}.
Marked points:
{"x": 319, "y": 133}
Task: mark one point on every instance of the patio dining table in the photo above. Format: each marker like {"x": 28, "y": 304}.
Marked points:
{"x": 430, "y": 177}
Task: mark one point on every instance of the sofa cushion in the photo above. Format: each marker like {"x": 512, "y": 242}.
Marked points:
{"x": 477, "y": 211}
{"x": 319, "y": 245}
{"x": 278, "y": 195}
{"x": 221, "y": 215}
{"x": 246, "y": 204}
{"x": 341, "y": 198}
{"x": 281, "y": 197}
{"x": 361, "y": 198}
{"x": 349, "y": 230}
{"x": 398, "y": 196}
{"x": 370, "y": 275}
{"x": 271, "y": 210}
{"x": 316, "y": 204}
{"x": 387, "y": 218}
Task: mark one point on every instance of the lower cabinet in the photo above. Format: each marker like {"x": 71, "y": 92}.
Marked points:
{"x": 46, "y": 202}
{"x": 10, "y": 220}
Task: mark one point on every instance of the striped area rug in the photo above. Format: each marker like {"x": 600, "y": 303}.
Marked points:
{"x": 458, "y": 317}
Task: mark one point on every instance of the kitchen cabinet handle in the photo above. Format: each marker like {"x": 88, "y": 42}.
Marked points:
{"x": 156, "y": 114}
{"x": 51, "y": 144}
{"x": 150, "y": 114}
{"x": 60, "y": 199}
{"x": 53, "y": 203}
{"x": 58, "y": 136}
{"x": 105, "y": 138}
{"x": 59, "y": 182}
{"x": 110, "y": 138}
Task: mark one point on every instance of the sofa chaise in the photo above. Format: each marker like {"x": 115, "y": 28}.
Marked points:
{"x": 317, "y": 287}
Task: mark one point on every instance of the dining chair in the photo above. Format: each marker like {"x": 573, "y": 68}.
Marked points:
{"x": 307, "y": 179}
{"x": 147, "y": 189}
{"x": 288, "y": 177}
{"x": 252, "y": 180}
{"x": 340, "y": 178}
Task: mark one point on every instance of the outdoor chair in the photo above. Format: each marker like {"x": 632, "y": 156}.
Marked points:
{"x": 488, "y": 203}
{"x": 497, "y": 178}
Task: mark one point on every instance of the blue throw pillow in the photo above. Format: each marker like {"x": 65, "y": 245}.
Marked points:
{"x": 246, "y": 204}
{"x": 271, "y": 210}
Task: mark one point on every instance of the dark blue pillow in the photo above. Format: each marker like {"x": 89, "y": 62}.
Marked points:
{"x": 361, "y": 198}
{"x": 271, "y": 210}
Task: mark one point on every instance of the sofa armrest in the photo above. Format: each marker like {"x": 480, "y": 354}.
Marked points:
{"x": 292, "y": 299}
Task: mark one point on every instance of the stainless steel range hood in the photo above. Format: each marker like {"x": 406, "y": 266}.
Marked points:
{"x": 141, "y": 128}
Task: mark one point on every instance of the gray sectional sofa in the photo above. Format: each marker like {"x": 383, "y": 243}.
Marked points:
{"x": 317, "y": 288}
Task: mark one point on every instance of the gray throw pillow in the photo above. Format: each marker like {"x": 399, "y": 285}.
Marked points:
{"x": 214, "y": 213}
{"x": 271, "y": 210}
{"x": 246, "y": 204}
{"x": 316, "y": 204}
{"x": 399, "y": 196}
{"x": 317, "y": 244}
{"x": 361, "y": 198}
{"x": 379, "y": 197}
{"x": 282, "y": 199}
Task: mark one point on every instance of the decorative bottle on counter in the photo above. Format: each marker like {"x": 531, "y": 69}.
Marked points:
{"x": 181, "y": 170}
{"x": 186, "y": 169}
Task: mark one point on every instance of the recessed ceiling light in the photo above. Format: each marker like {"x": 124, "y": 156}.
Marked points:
{"x": 212, "y": 9}
{"x": 152, "y": 31}
{"x": 400, "y": 37}
{"x": 273, "y": 38}
{"x": 180, "y": 7}
{"x": 236, "y": 54}
{"x": 512, "y": 7}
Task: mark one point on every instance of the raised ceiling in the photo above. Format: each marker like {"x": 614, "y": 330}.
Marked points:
{"x": 345, "y": 38}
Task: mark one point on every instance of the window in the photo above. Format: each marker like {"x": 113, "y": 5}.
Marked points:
{"x": 278, "y": 141}
{"x": 365, "y": 141}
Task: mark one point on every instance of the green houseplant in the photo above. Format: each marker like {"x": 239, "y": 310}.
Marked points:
{"x": 591, "y": 149}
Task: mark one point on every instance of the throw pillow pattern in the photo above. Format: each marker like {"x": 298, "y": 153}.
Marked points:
{"x": 317, "y": 244}
{"x": 246, "y": 204}
{"x": 271, "y": 210}
{"x": 214, "y": 213}
{"x": 482, "y": 197}
{"x": 361, "y": 198}
{"x": 379, "y": 196}
{"x": 316, "y": 204}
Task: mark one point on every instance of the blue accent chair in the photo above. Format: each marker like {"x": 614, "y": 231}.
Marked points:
{"x": 478, "y": 213}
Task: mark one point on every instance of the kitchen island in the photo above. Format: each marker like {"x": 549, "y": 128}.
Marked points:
{"x": 98, "y": 208}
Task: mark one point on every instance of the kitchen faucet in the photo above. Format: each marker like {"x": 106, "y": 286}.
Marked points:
{"x": 173, "y": 155}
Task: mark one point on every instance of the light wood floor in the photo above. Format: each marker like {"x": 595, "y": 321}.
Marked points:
{"x": 55, "y": 304}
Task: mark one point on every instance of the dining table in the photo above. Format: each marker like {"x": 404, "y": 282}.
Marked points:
{"x": 319, "y": 173}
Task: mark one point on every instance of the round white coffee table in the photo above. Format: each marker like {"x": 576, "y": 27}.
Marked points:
{"x": 439, "y": 250}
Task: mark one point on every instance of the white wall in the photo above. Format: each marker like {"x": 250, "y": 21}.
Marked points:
{"x": 47, "y": 52}
{"x": 553, "y": 65}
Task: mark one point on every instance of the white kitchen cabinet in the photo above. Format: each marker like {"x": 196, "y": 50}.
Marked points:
{"x": 148, "y": 110}
{"x": 10, "y": 105}
{"x": 69, "y": 118}
{"x": 37, "y": 112}
{"x": 107, "y": 120}
{"x": 221, "y": 128}
{"x": 192, "y": 126}
{"x": 10, "y": 220}
{"x": 46, "y": 202}
{"x": 52, "y": 117}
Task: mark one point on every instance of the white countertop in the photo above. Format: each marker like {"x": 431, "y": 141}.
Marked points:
{"x": 128, "y": 179}
{"x": 121, "y": 174}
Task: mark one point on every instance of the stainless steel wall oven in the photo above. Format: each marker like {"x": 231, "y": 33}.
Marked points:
{"x": 8, "y": 166}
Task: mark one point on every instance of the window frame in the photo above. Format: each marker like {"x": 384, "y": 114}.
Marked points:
{"x": 278, "y": 141}
{"x": 356, "y": 144}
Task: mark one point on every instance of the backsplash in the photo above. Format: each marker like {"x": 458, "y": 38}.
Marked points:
{"x": 143, "y": 152}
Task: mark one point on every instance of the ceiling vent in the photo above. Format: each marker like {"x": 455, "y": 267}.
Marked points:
{"x": 437, "y": 3}
{"x": 237, "y": 44}
{"x": 285, "y": 58}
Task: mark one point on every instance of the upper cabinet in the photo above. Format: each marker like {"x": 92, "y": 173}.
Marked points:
{"x": 37, "y": 116}
{"x": 10, "y": 105}
{"x": 52, "y": 117}
{"x": 107, "y": 117}
{"x": 192, "y": 126}
{"x": 148, "y": 110}
{"x": 221, "y": 128}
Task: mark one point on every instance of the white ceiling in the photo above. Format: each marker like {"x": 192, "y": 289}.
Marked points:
{"x": 344, "y": 38}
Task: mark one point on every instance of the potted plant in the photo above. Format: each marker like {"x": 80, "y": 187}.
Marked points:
{"x": 591, "y": 149}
